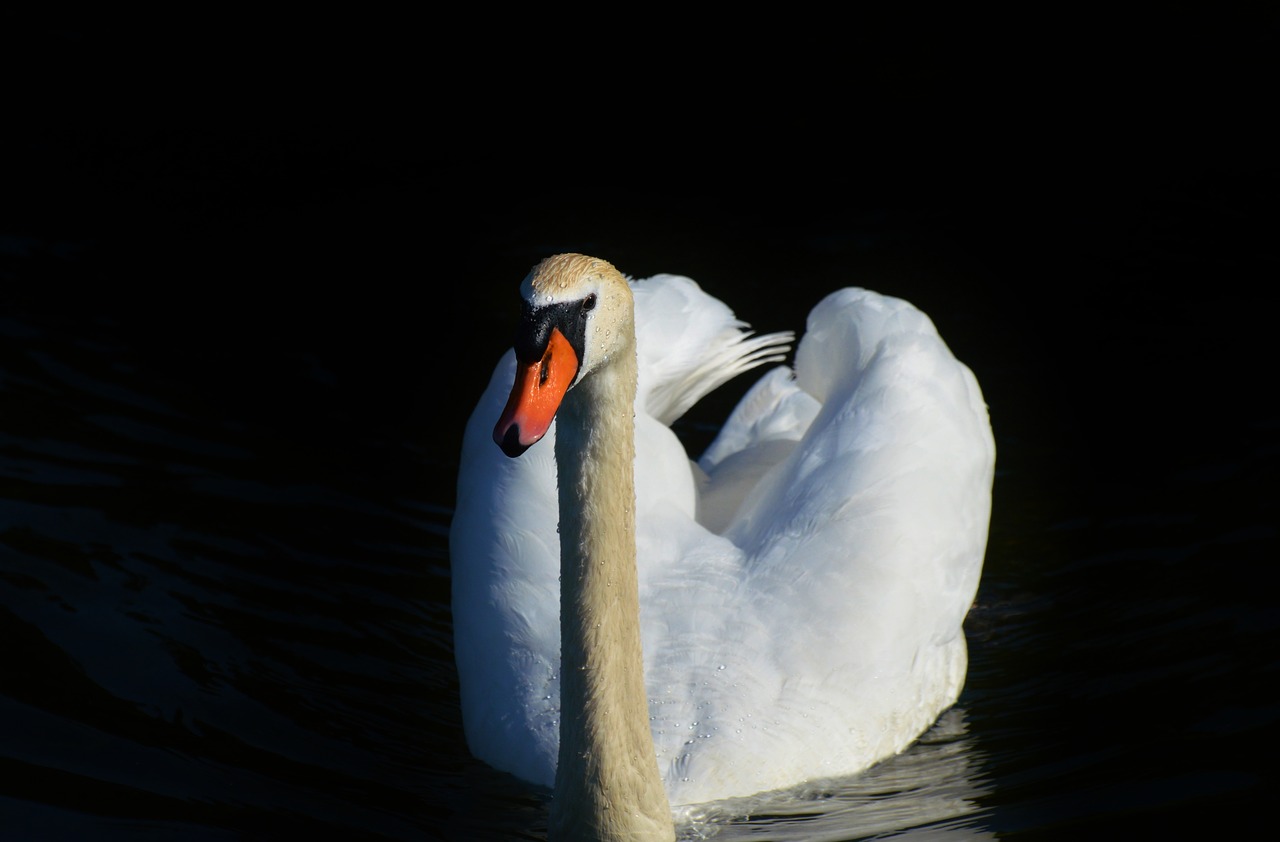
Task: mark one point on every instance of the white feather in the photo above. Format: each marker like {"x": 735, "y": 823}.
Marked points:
{"x": 802, "y": 588}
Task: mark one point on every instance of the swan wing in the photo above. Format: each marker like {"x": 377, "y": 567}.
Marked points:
{"x": 816, "y": 627}
{"x": 893, "y": 471}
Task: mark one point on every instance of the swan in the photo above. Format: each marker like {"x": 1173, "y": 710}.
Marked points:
{"x": 644, "y": 633}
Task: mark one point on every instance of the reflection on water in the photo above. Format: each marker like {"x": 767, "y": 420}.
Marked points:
{"x": 928, "y": 792}
{"x": 935, "y": 790}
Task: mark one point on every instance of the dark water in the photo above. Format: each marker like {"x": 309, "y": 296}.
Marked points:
{"x": 237, "y": 349}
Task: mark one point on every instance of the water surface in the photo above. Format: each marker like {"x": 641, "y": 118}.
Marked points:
{"x": 236, "y": 358}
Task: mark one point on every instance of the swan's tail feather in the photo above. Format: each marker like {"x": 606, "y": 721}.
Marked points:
{"x": 736, "y": 352}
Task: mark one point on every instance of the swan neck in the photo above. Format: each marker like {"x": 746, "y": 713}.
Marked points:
{"x": 607, "y": 784}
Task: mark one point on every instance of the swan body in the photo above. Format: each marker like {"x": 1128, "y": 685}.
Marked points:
{"x": 801, "y": 587}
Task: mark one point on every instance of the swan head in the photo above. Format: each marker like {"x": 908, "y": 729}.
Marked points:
{"x": 576, "y": 316}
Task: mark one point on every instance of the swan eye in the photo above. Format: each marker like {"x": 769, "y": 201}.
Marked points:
{"x": 589, "y": 303}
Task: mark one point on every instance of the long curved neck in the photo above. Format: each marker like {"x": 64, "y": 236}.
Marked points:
{"x": 607, "y": 785}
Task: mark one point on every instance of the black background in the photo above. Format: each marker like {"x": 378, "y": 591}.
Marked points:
{"x": 234, "y": 193}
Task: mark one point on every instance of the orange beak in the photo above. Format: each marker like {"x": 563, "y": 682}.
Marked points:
{"x": 535, "y": 396}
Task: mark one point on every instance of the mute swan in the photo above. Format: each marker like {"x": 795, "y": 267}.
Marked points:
{"x": 788, "y": 607}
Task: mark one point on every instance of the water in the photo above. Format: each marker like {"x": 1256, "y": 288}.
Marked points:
{"x": 232, "y": 389}
{"x": 224, "y": 579}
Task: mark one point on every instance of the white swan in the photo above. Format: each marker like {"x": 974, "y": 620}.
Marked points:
{"x": 801, "y": 588}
